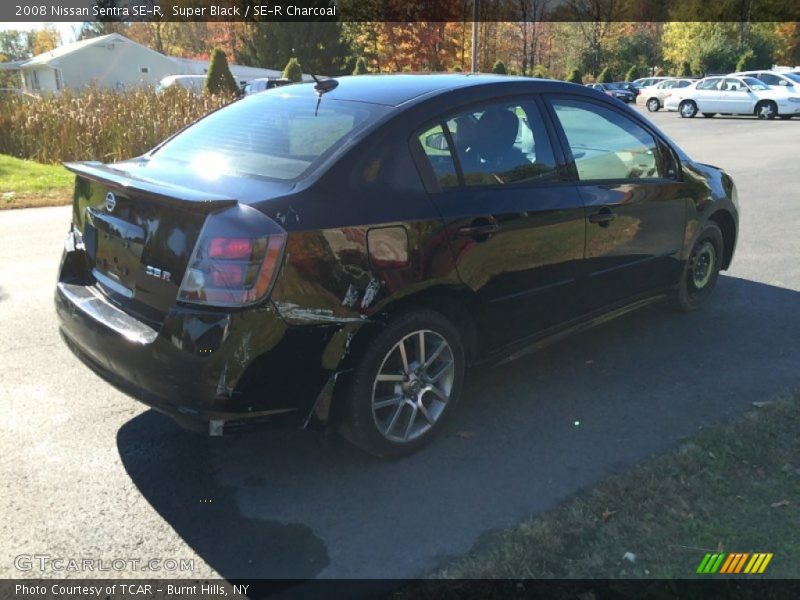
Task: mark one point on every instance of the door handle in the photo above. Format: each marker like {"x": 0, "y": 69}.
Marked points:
{"x": 603, "y": 217}
{"x": 480, "y": 229}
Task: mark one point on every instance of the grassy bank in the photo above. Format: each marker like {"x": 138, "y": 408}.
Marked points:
{"x": 24, "y": 183}
{"x": 732, "y": 488}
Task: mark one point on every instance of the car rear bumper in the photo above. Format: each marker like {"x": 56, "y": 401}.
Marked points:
{"x": 208, "y": 370}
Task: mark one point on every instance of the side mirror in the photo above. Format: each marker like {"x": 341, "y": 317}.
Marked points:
{"x": 436, "y": 141}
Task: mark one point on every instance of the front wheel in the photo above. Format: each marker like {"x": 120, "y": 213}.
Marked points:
{"x": 766, "y": 110}
{"x": 688, "y": 109}
{"x": 407, "y": 381}
{"x": 653, "y": 105}
{"x": 701, "y": 271}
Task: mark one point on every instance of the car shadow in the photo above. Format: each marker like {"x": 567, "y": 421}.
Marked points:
{"x": 295, "y": 504}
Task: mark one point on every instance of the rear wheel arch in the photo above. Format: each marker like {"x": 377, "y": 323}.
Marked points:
{"x": 452, "y": 302}
{"x": 727, "y": 226}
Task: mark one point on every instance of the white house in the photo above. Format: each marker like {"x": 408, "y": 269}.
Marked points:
{"x": 111, "y": 61}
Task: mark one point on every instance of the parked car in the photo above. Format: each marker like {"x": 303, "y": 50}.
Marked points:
{"x": 653, "y": 97}
{"x": 193, "y": 83}
{"x": 734, "y": 96}
{"x": 627, "y": 85}
{"x": 264, "y": 83}
{"x": 644, "y": 82}
{"x": 786, "y": 83}
{"x": 340, "y": 254}
{"x": 613, "y": 90}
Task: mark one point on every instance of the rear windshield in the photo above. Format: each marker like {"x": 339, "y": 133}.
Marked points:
{"x": 268, "y": 135}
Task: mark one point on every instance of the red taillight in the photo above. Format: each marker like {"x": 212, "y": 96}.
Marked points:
{"x": 226, "y": 276}
{"x": 234, "y": 270}
{"x": 230, "y": 248}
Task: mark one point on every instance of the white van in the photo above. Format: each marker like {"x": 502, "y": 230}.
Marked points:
{"x": 190, "y": 82}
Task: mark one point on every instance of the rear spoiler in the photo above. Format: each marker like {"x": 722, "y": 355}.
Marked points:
{"x": 124, "y": 181}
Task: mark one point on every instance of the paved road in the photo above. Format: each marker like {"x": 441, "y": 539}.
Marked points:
{"x": 85, "y": 472}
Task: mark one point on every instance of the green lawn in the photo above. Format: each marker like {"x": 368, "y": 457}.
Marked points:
{"x": 24, "y": 183}
{"x": 732, "y": 488}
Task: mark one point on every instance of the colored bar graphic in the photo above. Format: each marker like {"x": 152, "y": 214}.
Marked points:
{"x": 765, "y": 563}
{"x": 734, "y": 562}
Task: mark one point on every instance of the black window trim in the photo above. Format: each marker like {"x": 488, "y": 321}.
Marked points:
{"x": 425, "y": 168}
{"x": 662, "y": 144}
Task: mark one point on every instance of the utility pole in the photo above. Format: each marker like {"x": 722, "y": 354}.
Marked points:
{"x": 475, "y": 11}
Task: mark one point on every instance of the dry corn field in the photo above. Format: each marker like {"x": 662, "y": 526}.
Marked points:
{"x": 95, "y": 124}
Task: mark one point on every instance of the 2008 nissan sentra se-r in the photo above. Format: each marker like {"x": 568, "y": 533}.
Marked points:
{"x": 338, "y": 254}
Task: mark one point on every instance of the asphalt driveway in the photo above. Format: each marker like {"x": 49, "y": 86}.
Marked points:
{"x": 86, "y": 472}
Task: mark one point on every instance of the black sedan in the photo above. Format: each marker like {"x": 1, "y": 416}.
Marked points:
{"x": 615, "y": 90}
{"x": 340, "y": 254}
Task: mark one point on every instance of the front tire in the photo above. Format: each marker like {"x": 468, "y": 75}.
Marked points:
{"x": 700, "y": 274}
{"x": 688, "y": 109}
{"x": 766, "y": 110}
{"x": 407, "y": 382}
{"x": 653, "y": 105}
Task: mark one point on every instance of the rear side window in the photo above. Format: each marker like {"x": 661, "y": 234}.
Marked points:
{"x": 502, "y": 144}
{"x": 607, "y": 145}
{"x": 434, "y": 144}
{"x": 268, "y": 135}
{"x": 709, "y": 84}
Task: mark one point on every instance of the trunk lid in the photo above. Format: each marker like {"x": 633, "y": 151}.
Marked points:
{"x": 139, "y": 231}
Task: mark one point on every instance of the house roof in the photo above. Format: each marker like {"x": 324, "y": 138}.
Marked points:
{"x": 47, "y": 58}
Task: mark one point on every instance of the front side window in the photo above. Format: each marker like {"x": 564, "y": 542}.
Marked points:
{"x": 607, "y": 145}
{"x": 755, "y": 84}
{"x": 769, "y": 78}
{"x": 267, "y": 135}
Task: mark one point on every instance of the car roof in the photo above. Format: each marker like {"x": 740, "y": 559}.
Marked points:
{"x": 397, "y": 89}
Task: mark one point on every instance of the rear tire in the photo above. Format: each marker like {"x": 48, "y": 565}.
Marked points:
{"x": 767, "y": 110}
{"x": 709, "y": 115}
{"x": 701, "y": 271}
{"x": 400, "y": 394}
{"x": 653, "y": 105}
{"x": 687, "y": 109}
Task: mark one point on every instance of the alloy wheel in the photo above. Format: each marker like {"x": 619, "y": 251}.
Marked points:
{"x": 688, "y": 109}
{"x": 652, "y": 105}
{"x": 413, "y": 386}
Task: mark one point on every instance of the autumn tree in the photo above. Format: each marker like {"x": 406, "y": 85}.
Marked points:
{"x": 47, "y": 38}
{"x": 632, "y": 74}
